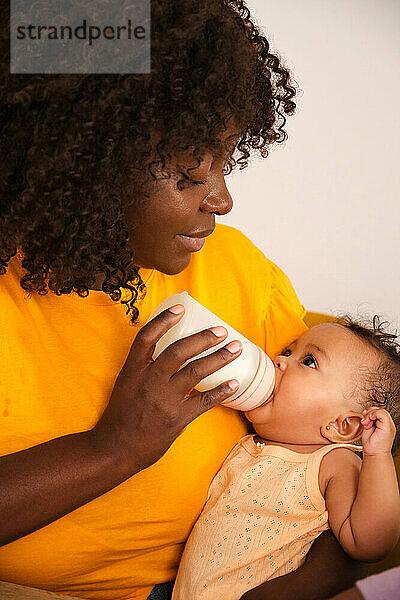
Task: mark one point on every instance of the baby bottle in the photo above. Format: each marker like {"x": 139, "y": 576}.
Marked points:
{"x": 253, "y": 369}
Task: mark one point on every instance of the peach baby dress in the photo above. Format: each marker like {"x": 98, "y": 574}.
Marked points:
{"x": 263, "y": 511}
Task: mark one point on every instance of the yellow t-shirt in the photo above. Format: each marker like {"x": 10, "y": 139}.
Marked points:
{"x": 59, "y": 358}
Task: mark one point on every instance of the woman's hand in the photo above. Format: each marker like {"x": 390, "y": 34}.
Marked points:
{"x": 151, "y": 403}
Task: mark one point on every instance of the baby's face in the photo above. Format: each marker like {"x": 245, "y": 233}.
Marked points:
{"x": 315, "y": 379}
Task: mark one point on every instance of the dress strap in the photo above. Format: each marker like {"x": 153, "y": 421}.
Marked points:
{"x": 312, "y": 471}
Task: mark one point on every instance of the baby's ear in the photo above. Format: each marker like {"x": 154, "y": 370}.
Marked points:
{"x": 345, "y": 429}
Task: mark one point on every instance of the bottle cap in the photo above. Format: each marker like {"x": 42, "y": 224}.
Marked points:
{"x": 260, "y": 388}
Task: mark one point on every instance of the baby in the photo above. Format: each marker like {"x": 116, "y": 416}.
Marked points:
{"x": 300, "y": 474}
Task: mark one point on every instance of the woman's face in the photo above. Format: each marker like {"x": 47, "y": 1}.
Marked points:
{"x": 171, "y": 224}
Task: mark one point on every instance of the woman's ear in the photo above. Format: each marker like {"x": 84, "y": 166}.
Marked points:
{"x": 345, "y": 429}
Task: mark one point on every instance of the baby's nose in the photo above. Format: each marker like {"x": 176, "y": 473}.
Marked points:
{"x": 280, "y": 363}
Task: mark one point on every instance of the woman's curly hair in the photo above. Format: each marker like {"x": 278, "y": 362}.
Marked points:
{"x": 77, "y": 149}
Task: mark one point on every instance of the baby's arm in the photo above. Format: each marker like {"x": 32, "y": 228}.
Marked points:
{"x": 363, "y": 499}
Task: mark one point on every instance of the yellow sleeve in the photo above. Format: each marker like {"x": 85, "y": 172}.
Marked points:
{"x": 284, "y": 320}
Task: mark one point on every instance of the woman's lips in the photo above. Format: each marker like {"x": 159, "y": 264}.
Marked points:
{"x": 193, "y": 244}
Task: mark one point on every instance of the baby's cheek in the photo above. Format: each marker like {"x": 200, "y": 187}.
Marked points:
{"x": 260, "y": 414}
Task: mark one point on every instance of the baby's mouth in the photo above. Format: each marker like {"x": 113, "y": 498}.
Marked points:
{"x": 272, "y": 394}
{"x": 268, "y": 400}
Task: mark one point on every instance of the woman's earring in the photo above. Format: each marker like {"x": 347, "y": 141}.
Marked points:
{"x": 327, "y": 427}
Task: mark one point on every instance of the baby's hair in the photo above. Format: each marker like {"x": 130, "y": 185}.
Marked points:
{"x": 381, "y": 385}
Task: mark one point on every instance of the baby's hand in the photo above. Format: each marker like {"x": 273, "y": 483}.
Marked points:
{"x": 379, "y": 431}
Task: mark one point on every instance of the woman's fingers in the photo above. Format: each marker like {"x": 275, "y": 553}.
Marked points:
{"x": 173, "y": 357}
{"x": 187, "y": 378}
{"x": 148, "y": 336}
{"x": 203, "y": 401}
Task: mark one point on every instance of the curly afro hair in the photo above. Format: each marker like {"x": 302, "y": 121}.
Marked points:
{"x": 69, "y": 141}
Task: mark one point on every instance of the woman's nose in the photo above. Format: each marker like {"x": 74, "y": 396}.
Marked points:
{"x": 218, "y": 201}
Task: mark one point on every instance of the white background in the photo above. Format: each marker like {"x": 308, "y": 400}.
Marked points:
{"x": 325, "y": 204}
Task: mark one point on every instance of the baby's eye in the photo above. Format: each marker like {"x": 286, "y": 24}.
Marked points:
{"x": 309, "y": 361}
{"x": 286, "y": 352}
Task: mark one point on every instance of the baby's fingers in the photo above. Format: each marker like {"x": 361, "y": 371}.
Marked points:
{"x": 377, "y": 417}
{"x": 367, "y": 420}
{"x": 367, "y": 423}
{"x": 376, "y": 414}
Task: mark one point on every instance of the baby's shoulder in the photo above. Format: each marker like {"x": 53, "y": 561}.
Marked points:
{"x": 339, "y": 462}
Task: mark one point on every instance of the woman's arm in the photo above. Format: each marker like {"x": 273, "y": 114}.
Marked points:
{"x": 47, "y": 481}
{"x": 326, "y": 571}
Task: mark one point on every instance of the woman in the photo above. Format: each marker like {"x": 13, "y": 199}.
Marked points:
{"x": 110, "y": 187}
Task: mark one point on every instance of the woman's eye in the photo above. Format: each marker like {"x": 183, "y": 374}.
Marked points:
{"x": 286, "y": 352}
{"x": 309, "y": 361}
{"x": 194, "y": 182}
{"x": 189, "y": 181}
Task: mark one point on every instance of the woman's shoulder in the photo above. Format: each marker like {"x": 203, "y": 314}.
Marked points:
{"x": 228, "y": 245}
